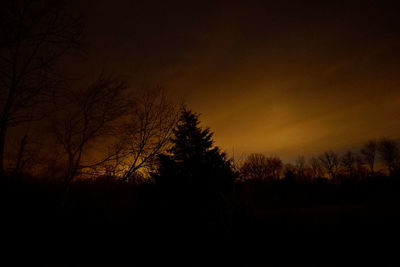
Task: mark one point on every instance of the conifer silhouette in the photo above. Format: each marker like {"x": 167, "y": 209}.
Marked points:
{"x": 196, "y": 172}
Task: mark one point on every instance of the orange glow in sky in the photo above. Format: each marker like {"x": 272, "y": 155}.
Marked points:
{"x": 283, "y": 78}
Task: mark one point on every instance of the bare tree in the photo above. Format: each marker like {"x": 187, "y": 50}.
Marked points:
{"x": 389, "y": 152}
{"x": 34, "y": 35}
{"x": 255, "y": 166}
{"x": 275, "y": 166}
{"x": 300, "y": 167}
{"x": 258, "y": 166}
{"x": 330, "y": 161}
{"x": 316, "y": 167}
{"x": 368, "y": 153}
{"x": 87, "y": 116}
{"x": 145, "y": 133}
{"x": 349, "y": 161}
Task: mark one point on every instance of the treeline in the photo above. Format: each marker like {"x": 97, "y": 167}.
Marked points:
{"x": 187, "y": 172}
{"x": 351, "y": 165}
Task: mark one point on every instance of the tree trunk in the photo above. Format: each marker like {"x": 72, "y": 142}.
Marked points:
{"x": 3, "y": 129}
{"x": 19, "y": 165}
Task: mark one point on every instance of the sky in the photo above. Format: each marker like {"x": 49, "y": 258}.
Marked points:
{"x": 277, "y": 77}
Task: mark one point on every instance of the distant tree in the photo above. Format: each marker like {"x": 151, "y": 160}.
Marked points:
{"x": 316, "y": 168}
{"x": 300, "y": 167}
{"x": 368, "y": 153}
{"x": 34, "y": 35}
{"x": 258, "y": 166}
{"x": 289, "y": 173}
{"x": 330, "y": 161}
{"x": 349, "y": 163}
{"x": 360, "y": 169}
{"x": 389, "y": 153}
{"x": 196, "y": 170}
{"x": 275, "y": 166}
{"x": 289, "y": 167}
{"x": 255, "y": 166}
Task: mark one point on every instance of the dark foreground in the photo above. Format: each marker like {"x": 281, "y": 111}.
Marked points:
{"x": 296, "y": 224}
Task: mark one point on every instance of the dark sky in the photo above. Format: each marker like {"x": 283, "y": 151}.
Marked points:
{"x": 278, "y": 77}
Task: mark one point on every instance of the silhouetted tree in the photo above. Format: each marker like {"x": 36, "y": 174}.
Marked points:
{"x": 197, "y": 171}
{"x": 316, "y": 168}
{"x": 87, "y": 116}
{"x": 34, "y": 35}
{"x": 289, "y": 177}
{"x": 289, "y": 167}
{"x": 258, "y": 166}
{"x": 349, "y": 163}
{"x": 368, "y": 153}
{"x": 255, "y": 166}
{"x": 145, "y": 133}
{"x": 330, "y": 161}
{"x": 301, "y": 167}
{"x": 275, "y": 166}
{"x": 389, "y": 152}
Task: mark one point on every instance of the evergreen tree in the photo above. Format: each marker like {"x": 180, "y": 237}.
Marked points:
{"x": 195, "y": 173}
